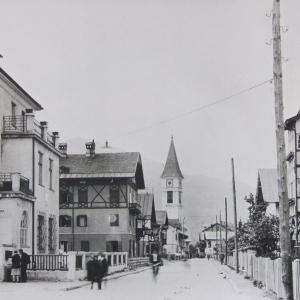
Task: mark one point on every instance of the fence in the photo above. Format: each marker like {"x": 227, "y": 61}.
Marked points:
{"x": 133, "y": 263}
{"x": 48, "y": 262}
{"x": 263, "y": 271}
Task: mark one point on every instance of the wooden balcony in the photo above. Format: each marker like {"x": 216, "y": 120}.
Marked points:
{"x": 134, "y": 208}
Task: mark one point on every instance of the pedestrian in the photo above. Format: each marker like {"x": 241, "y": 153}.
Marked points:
{"x": 16, "y": 267}
{"x": 103, "y": 269}
{"x": 221, "y": 255}
{"x": 208, "y": 256}
{"x": 25, "y": 260}
{"x": 93, "y": 270}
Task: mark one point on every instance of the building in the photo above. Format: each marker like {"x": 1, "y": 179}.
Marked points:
{"x": 172, "y": 202}
{"x": 213, "y": 234}
{"x": 292, "y": 126}
{"x": 147, "y": 241}
{"x": 267, "y": 190}
{"x": 29, "y": 173}
{"x": 98, "y": 200}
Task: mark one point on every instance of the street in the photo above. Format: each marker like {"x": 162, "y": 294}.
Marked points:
{"x": 176, "y": 280}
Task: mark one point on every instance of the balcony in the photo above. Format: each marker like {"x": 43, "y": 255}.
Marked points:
{"x": 14, "y": 182}
{"x": 134, "y": 208}
{"x": 27, "y": 124}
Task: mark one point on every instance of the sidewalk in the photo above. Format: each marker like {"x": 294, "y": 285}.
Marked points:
{"x": 61, "y": 285}
{"x": 243, "y": 287}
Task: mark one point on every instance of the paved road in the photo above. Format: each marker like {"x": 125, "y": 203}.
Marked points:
{"x": 177, "y": 280}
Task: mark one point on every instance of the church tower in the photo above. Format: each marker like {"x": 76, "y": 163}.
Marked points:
{"x": 172, "y": 185}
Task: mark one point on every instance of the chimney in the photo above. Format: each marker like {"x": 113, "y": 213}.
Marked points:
{"x": 90, "y": 149}
{"x": 55, "y": 139}
{"x": 44, "y": 127}
{"x": 62, "y": 147}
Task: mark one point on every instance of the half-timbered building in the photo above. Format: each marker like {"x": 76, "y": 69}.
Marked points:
{"x": 98, "y": 200}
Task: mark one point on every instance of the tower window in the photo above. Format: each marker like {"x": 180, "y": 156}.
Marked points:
{"x": 170, "y": 197}
{"x": 179, "y": 197}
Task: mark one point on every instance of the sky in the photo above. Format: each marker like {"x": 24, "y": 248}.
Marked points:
{"x": 109, "y": 70}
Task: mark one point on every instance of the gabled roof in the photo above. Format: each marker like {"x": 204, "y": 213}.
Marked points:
{"x": 211, "y": 228}
{"x": 290, "y": 123}
{"x": 174, "y": 222}
{"x": 162, "y": 217}
{"x": 35, "y": 104}
{"x": 212, "y": 235}
{"x": 267, "y": 185}
{"x": 105, "y": 165}
{"x": 146, "y": 201}
{"x": 172, "y": 168}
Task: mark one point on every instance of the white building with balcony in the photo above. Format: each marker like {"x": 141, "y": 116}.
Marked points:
{"x": 29, "y": 176}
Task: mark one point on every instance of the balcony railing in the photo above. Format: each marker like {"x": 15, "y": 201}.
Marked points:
{"x": 15, "y": 123}
{"x": 135, "y": 208}
{"x": 27, "y": 123}
{"x": 14, "y": 182}
{"x": 48, "y": 262}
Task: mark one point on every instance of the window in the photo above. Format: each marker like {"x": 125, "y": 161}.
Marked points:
{"x": 114, "y": 195}
{"x": 13, "y": 109}
{"x": 42, "y": 233}
{"x": 64, "y": 221}
{"x": 82, "y": 221}
{"x": 23, "y": 229}
{"x": 298, "y": 141}
{"x": 112, "y": 246}
{"x": 169, "y": 196}
{"x": 114, "y": 220}
{"x": 40, "y": 163}
{"x": 52, "y": 234}
{"x": 50, "y": 173}
{"x": 179, "y": 197}
{"x": 82, "y": 192}
{"x": 65, "y": 195}
{"x": 85, "y": 246}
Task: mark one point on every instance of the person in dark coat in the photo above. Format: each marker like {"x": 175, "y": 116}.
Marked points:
{"x": 25, "y": 260}
{"x": 103, "y": 269}
{"x": 93, "y": 266}
{"x": 16, "y": 267}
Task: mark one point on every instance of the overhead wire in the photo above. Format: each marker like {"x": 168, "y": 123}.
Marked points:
{"x": 200, "y": 108}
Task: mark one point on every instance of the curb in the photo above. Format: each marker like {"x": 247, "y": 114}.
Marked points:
{"x": 239, "y": 292}
{"x": 109, "y": 277}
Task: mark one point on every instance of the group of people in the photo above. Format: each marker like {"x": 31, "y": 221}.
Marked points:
{"x": 96, "y": 269}
{"x": 20, "y": 260}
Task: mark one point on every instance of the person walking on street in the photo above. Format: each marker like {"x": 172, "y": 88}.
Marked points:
{"x": 25, "y": 260}
{"x": 208, "y": 256}
{"x": 93, "y": 270}
{"x": 16, "y": 267}
{"x": 222, "y": 257}
{"x": 103, "y": 269}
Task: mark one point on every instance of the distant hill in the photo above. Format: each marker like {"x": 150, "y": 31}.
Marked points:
{"x": 203, "y": 197}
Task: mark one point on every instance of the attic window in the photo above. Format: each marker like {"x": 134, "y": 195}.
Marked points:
{"x": 63, "y": 170}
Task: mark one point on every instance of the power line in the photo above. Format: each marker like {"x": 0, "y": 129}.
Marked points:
{"x": 200, "y": 108}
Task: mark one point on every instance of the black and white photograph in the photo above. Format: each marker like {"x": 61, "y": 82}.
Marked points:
{"x": 149, "y": 149}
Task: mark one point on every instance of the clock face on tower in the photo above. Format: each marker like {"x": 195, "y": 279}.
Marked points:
{"x": 169, "y": 182}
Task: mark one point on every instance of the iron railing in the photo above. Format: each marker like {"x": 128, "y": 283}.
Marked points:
{"x": 48, "y": 262}
{"x": 92, "y": 205}
{"x": 15, "y": 123}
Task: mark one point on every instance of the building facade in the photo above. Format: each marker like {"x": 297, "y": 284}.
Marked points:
{"x": 98, "y": 200}
{"x": 29, "y": 169}
{"x": 292, "y": 126}
{"x": 172, "y": 202}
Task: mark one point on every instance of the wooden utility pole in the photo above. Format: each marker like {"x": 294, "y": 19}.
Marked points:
{"x": 226, "y": 231}
{"x": 235, "y": 219}
{"x": 216, "y": 235}
{"x": 285, "y": 243}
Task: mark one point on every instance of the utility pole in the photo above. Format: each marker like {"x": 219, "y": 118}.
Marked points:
{"x": 216, "y": 235}
{"x": 285, "y": 243}
{"x": 235, "y": 220}
{"x": 226, "y": 231}
{"x": 220, "y": 232}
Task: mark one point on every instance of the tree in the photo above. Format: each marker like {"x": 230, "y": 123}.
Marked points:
{"x": 260, "y": 230}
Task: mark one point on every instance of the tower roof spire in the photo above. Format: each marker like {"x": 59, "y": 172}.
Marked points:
{"x": 172, "y": 168}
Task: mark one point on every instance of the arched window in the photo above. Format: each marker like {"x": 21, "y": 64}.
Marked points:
{"x": 23, "y": 229}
